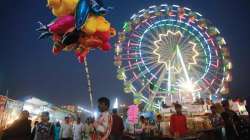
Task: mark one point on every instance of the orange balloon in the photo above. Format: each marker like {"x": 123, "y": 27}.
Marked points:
{"x": 112, "y": 32}
{"x": 93, "y": 42}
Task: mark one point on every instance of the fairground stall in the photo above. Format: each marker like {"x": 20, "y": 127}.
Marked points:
{"x": 35, "y": 106}
{"x": 10, "y": 110}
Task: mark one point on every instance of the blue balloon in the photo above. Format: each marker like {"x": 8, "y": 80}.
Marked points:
{"x": 100, "y": 2}
{"x": 97, "y": 7}
{"x": 82, "y": 11}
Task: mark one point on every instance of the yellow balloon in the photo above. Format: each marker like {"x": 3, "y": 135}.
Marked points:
{"x": 90, "y": 25}
{"x": 62, "y": 7}
{"x": 103, "y": 24}
{"x": 96, "y": 23}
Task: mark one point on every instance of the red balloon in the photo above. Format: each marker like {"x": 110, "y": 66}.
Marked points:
{"x": 106, "y": 47}
{"x": 81, "y": 54}
{"x": 104, "y": 36}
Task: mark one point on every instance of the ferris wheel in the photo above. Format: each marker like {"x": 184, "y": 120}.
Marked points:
{"x": 168, "y": 50}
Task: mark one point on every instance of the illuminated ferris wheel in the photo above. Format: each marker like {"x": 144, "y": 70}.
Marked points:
{"x": 168, "y": 50}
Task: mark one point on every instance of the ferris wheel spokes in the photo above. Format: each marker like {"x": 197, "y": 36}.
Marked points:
{"x": 142, "y": 73}
{"x": 150, "y": 80}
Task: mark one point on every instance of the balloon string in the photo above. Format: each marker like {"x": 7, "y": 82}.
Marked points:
{"x": 89, "y": 83}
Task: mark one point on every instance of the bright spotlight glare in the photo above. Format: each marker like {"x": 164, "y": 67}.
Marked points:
{"x": 188, "y": 86}
{"x": 95, "y": 114}
{"x": 115, "y": 104}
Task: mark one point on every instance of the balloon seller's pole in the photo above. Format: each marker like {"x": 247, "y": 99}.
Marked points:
{"x": 89, "y": 83}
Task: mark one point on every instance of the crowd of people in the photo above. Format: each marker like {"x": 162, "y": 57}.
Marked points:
{"x": 106, "y": 126}
{"x": 110, "y": 126}
{"x": 149, "y": 129}
{"x": 227, "y": 125}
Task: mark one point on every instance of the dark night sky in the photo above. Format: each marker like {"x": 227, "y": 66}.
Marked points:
{"x": 27, "y": 66}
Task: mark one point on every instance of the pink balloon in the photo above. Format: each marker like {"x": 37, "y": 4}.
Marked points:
{"x": 62, "y": 24}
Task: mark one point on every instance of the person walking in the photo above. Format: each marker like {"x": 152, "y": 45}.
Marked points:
{"x": 88, "y": 129}
{"x": 77, "y": 130}
{"x": 44, "y": 130}
{"x": 231, "y": 121}
{"x": 141, "y": 128}
{"x": 57, "y": 131}
{"x": 158, "y": 125}
{"x": 117, "y": 126}
{"x": 66, "y": 131}
{"x": 217, "y": 123}
{"x": 178, "y": 123}
{"x": 103, "y": 124}
{"x": 34, "y": 130}
{"x": 20, "y": 129}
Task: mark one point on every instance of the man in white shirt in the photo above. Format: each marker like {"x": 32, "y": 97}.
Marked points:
{"x": 66, "y": 131}
{"x": 103, "y": 124}
{"x": 77, "y": 130}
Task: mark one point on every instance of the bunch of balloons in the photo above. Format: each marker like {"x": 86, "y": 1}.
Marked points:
{"x": 79, "y": 26}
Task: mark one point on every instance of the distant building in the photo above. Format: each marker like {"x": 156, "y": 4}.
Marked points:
{"x": 72, "y": 108}
{"x": 81, "y": 112}
{"x": 35, "y": 106}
